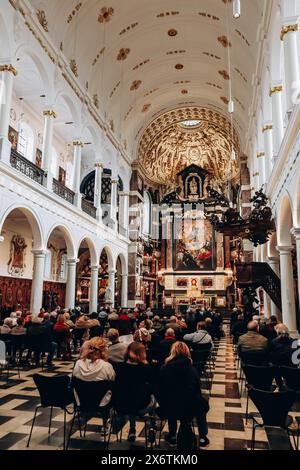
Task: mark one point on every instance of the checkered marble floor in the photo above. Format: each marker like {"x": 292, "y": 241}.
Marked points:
{"x": 226, "y": 418}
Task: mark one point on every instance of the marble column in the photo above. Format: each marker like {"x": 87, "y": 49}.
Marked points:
{"x": 71, "y": 283}
{"x": 98, "y": 189}
{"x": 288, "y": 35}
{"x": 261, "y": 166}
{"x": 49, "y": 117}
{"x": 111, "y": 285}
{"x": 274, "y": 264}
{"x": 124, "y": 213}
{"x": 124, "y": 300}
{"x": 94, "y": 289}
{"x": 277, "y": 116}
{"x": 296, "y": 233}
{"x": 287, "y": 288}
{"x": 114, "y": 202}
{"x": 36, "y": 301}
{"x": 7, "y": 74}
{"x": 78, "y": 146}
{"x": 268, "y": 146}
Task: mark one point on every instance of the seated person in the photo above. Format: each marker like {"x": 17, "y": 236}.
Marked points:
{"x": 132, "y": 392}
{"x": 93, "y": 365}
{"x": 281, "y": 348}
{"x": 179, "y": 374}
{"x": 19, "y": 329}
{"x": 116, "y": 349}
{"x": 253, "y": 341}
{"x": 125, "y": 328}
{"x": 165, "y": 345}
{"x": 6, "y": 327}
{"x": 267, "y": 329}
{"x": 199, "y": 337}
{"x": 209, "y": 327}
{"x": 62, "y": 336}
{"x": 239, "y": 328}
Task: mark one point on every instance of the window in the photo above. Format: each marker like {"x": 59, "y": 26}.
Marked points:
{"x": 147, "y": 214}
{"x": 26, "y": 141}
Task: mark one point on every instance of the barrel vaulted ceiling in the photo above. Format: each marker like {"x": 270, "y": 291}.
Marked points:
{"x": 141, "y": 58}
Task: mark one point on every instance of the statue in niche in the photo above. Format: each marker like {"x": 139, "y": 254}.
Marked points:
{"x": 108, "y": 296}
{"x": 193, "y": 186}
{"x": 16, "y": 263}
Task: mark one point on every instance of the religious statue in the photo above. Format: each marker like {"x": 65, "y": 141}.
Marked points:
{"x": 193, "y": 186}
{"x": 108, "y": 296}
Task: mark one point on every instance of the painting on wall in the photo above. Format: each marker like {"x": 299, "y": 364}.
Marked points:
{"x": 38, "y": 158}
{"x": 61, "y": 175}
{"x": 195, "y": 246}
{"x": 182, "y": 282}
{"x": 207, "y": 283}
{"x": 13, "y": 136}
{"x": 16, "y": 263}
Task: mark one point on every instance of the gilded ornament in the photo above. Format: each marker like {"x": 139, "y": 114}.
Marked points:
{"x": 123, "y": 54}
{"x": 41, "y": 16}
{"x": 106, "y": 14}
{"x": 8, "y": 68}
{"x": 275, "y": 89}
{"x": 290, "y": 28}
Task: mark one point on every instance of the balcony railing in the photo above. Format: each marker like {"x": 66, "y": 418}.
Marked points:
{"x": 62, "y": 191}
{"x": 26, "y": 167}
{"x": 89, "y": 208}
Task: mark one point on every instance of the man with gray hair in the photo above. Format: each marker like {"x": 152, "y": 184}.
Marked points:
{"x": 253, "y": 341}
{"x": 116, "y": 349}
{"x": 166, "y": 344}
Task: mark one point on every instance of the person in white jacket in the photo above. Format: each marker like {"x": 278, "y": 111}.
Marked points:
{"x": 93, "y": 365}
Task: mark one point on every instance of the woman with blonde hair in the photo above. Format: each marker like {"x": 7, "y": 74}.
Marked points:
{"x": 178, "y": 374}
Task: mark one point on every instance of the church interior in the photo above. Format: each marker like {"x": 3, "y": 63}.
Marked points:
{"x": 150, "y": 192}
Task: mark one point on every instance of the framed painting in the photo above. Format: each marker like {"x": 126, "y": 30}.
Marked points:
{"x": 13, "y": 137}
{"x": 38, "y": 158}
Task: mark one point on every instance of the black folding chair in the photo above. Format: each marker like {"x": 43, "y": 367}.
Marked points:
{"x": 55, "y": 392}
{"x": 88, "y": 396}
{"x": 259, "y": 377}
{"x": 273, "y": 409}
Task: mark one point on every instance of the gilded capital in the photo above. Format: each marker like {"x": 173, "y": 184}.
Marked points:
{"x": 275, "y": 89}
{"x": 260, "y": 154}
{"x": 49, "y": 113}
{"x": 289, "y": 28}
{"x": 78, "y": 143}
{"x": 114, "y": 181}
{"x": 8, "y": 68}
{"x": 256, "y": 174}
{"x": 267, "y": 127}
{"x": 99, "y": 165}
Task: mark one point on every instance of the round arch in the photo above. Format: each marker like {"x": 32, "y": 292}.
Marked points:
{"x": 123, "y": 261}
{"x": 38, "y": 240}
{"x": 92, "y": 248}
{"x": 71, "y": 252}
{"x": 110, "y": 258}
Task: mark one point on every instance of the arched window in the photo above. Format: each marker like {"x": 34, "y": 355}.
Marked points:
{"x": 147, "y": 214}
{"x": 26, "y": 141}
{"x": 54, "y": 162}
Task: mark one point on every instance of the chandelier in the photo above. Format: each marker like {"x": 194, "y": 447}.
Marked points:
{"x": 257, "y": 227}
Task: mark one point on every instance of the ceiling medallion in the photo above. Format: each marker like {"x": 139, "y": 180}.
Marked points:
{"x": 106, "y": 14}
{"x": 224, "y": 41}
{"x": 172, "y": 32}
{"x": 123, "y": 54}
{"x": 178, "y": 66}
{"x": 224, "y": 99}
{"x": 184, "y": 92}
{"x": 135, "y": 85}
{"x": 224, "y": 74}
{"x": 146, "y": 107}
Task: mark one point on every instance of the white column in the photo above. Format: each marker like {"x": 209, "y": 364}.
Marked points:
{"x": 49, "y": 116}
{"x": 78, "y": 146}
{"x": 7, "y": 74}
{"x": 124, "y": 300}
{"x": 287, "y": 288}
{"x": 296, "y": 233}
{"x": 268, "y": 145}
{"x": 114, "y": 199}
{"x": 261, "y": 166}
{"x": 37, "y": 281}
{"x": 71, "y": 283}
{"x": 112, "y": 285}
{"x": 124, "y": 212}
{"x": 94, "y": 289}
{"x": 289, "y": 37}
{"x": 276, "y": 95}
{"x": 98, "y": 189}
{"x": 274, "y": 264}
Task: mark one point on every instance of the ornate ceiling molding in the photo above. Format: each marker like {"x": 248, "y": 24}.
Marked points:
{"x": 166, "y": 146}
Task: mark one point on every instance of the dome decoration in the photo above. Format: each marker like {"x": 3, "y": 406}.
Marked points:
{"x": 188, "y": 136}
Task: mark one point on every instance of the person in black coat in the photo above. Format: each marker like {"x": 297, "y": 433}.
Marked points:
{"x": 166, "y": 344}
{"x": 132, "y": 395}
{"x": 239, "y": 328}
{"x": 179, "y": 393}
{"x": 281, "y": 349}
